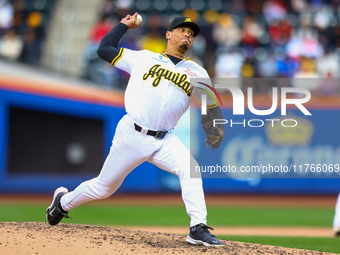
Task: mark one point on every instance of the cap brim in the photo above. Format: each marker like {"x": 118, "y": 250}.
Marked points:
{"x": 192, "y": 25}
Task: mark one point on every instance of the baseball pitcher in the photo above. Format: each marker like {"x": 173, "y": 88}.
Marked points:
{"x": 157, "y": 95}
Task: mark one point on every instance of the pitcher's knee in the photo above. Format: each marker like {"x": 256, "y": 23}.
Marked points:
{"x": 101, "y": 190}
{"x": 104, "y": 192}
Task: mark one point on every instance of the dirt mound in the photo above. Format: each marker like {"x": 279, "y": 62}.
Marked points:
{"x": 41, "y": 238}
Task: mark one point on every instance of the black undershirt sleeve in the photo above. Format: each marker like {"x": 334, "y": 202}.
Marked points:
{"x": 217, "y": 114}
{"x": 108, "y": 47}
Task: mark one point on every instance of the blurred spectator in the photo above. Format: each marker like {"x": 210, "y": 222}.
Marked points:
{"x": 95, "y": 69}
{"x": 10, "y": 45}
{"x": 294, "y": 47}
{"x": 324, "y": 17}
{"x": 153, "y": 41}
{"x": 304, "y": 43}
{"x": 248, "y": 68}
{"x": 280, "y": 32}
{"x": 274, "y": 11}
{"x": 328, "y": 65}
{"x": 6, "y": 15}
{"x": 299, "y": 6}
{"x": 311, "y": 47}
{"x": 25, "y": 22}
{"x": 267, "y": 67}
{"x": 253, "y": 7}
{"x": 286, "y": 66}
{"x": 123, "y": 7}
{"x": 30, "y": 53}
{"x": 108, "y": 8}
{"x": 251, "y": 31}
{"x": 20, "y": 15}
{"x": 101, "y": 28}
{"x": 307, "y": 76}
{"x": 226, "y": 32}
{"x": 228, "y": 64}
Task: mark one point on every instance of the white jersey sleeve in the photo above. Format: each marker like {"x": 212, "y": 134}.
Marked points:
{"x": 127, "y": 59}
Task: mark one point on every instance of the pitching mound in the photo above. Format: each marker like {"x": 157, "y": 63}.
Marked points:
{"x": 41, "y": 238}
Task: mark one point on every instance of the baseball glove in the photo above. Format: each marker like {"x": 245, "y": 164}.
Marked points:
{"x": 214, "y": 135}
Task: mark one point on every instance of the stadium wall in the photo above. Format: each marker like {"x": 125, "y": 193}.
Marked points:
{"x": 54, "y": 134}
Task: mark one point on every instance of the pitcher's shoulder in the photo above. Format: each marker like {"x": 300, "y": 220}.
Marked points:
{"x": 198, "y": 68}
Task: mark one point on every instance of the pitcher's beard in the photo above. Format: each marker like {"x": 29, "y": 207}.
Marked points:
{"x": 184, "y": 47}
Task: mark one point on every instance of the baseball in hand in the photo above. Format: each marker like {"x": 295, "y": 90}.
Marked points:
{"x": 139, "y": 20}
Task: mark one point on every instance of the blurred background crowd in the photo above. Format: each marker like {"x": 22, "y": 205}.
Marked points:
{"x": 23, "y": 24}
{"x": 239, "y": 38}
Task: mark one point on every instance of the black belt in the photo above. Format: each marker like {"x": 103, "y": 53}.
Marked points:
{"x": 157, "y": 134}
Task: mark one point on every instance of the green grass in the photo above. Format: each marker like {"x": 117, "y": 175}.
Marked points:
{"x": 176, "y": 216}
{"x": 325, "y": 244}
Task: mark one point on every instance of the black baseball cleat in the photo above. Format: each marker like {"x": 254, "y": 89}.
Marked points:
{"x": 337, "y": 232}
{"x": 199, "y": 234}
{"x": 54, "y": 212}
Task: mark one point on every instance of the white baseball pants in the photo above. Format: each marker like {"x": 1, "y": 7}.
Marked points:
{"x": 129, "y": 149}
{"x": 336, "y": 219}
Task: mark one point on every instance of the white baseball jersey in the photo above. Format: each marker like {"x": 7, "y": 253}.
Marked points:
{"x": 157, "y": 95}
{"x": 158, "y": 92}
